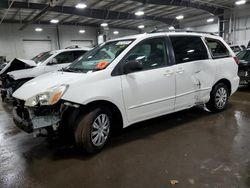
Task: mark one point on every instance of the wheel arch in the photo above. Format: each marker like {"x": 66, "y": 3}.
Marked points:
{"x": 226, "y": 82}
{"x": 117, "y": 115}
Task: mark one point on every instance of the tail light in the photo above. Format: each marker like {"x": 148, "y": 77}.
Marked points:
{"x": 237, "y": 61}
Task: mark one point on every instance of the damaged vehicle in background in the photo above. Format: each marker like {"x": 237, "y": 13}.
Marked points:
{"x": 18, "y": 71}
{"x": 128, "y": 80}
{"x": 244, "y": 67}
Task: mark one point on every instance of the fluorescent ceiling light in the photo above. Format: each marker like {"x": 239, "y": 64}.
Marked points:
{"x": 116, "y": 32}
{"x": 81, "y": 6}
{"x": 141, "y": 26}
{"x": 240, "y": 2}
{"x": 38, "y": 29}
{"x": 139, "y": 13}
{"x": 210, "y": 20}
{"x": 54, "y": 21}
{"x": 180, "y": 17}
{"x": 171, "y": 28}
{"x": 104, "y": 24}
{"x": 82, "y": 31}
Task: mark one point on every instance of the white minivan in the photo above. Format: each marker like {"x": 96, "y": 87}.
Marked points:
{"x": 128, "y": 80}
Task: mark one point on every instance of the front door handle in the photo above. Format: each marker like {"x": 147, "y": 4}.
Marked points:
{"x": 168, "y": 73}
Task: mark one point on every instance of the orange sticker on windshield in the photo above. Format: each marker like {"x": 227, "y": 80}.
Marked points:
{"x": 102, "y": 65}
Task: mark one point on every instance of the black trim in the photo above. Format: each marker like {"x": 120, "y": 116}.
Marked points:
{"x": 22, "y": 124}
{"x": 170, "y": 51}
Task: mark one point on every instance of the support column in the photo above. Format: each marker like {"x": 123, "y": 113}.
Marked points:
{"x": 221, "y": 26}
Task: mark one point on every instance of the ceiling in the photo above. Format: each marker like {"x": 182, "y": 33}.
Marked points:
{"x": 118, "y": 13}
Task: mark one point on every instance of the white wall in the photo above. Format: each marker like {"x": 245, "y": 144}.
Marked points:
{"x": 11, "y": 40}
{"x": 241, "y": 31}
{"x": 68, "y": 34}
{"x": 238, "y": 30}
{"x": 122, "y": 33}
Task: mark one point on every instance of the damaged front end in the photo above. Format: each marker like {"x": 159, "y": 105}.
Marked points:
{"x": 45, "y": 121}
{"x": 34, "y": 119}
{"x": 9, "y": 84}
{"x": 43, "y": 111}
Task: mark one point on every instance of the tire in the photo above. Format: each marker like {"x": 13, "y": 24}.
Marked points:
{"x": 218, "y": 98}
{"x": 92, "y": 130}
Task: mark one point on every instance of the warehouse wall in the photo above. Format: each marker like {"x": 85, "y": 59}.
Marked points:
{"x": 240, "y": 25}
{"x": 241, "y": 31}
{"x": 12, "y": 41}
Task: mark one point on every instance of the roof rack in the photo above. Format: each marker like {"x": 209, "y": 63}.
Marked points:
{"x": 180, "y": 30}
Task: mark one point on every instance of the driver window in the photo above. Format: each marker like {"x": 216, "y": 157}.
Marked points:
{"x": 151, "y": 53}
{"x": 65, "y": 57}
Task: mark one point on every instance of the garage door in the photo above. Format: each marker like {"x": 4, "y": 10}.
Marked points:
{"x": 82, "y": 43}
{"x": 31, "y": 48}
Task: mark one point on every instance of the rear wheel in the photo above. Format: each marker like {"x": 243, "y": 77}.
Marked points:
{"x": 218, "y": 98}
{"x": 93, "y": 129}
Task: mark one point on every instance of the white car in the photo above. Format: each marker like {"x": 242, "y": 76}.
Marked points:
{"x": 128, "y": 80}
{"x": 237, "y": 48}
{"x": 19, "y": 71}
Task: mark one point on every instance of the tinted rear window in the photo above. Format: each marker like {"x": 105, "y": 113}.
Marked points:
{"x": 188, "y": 48}
{"x": 217, "y": 48}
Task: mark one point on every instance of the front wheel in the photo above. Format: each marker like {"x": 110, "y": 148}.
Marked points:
{"x": 218, "y": 98}
{"x": 93, "y": 129}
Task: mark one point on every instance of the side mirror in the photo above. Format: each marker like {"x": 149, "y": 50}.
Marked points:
{"x": 132, "y": 66}
{"x": 53, "y": 61}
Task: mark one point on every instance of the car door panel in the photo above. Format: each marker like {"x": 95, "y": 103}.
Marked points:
{"x": 149, "y": 93}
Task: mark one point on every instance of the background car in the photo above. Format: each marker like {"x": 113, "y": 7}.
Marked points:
{"x": 237, "y": 48}
{"x": 2, "y": 65}
{"x": 15, "y": 73}
{"x": 244, "y": 67}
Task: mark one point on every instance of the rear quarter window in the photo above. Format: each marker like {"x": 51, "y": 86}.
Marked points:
{"x": 217, "y": 48}
{"x": 188, "y": 48}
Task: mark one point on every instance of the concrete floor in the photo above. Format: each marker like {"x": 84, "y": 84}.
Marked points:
{"x": 195, "y": 147}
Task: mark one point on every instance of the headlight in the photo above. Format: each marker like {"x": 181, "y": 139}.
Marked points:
{"x": 48, "y": 97}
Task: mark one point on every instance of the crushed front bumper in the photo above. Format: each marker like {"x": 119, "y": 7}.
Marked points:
{"x": 25, "y": 125}
{"x": 29, "y": 123}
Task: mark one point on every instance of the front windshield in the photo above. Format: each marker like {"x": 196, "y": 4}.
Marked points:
{"x": 100, "y": 57}
{"x": 244, "y": 55}
{"x": 42, "y": 57}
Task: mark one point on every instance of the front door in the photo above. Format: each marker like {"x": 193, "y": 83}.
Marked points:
{"x": 150, "y": 92}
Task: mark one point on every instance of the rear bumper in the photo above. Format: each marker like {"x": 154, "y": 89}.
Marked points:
{"x": 25, "y": 125}
{"x": 235, "y": 84}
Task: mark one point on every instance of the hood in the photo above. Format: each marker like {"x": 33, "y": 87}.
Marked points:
{"x": 44, "y": 82}
{"x": 17, "y": 64}
{"x": 26, "y": 73}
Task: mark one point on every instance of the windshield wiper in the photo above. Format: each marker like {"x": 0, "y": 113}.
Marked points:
{"x": 67, "y": 70}
{"x": 72, "y": 70}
